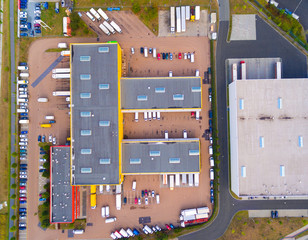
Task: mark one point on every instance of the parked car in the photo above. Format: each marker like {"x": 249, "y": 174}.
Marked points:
{"x": 43, "y": 160}
{"x": 43, "y": 138}
{"x": 39, "y": 138}
{"x": 180, "y": 55}
{"x": 164, "y": 56}
{"x": 150, "y": 50}
{"x": 139, "y": 201}
{"x": 153, "y": 193}
{"x": 54, "y": 141}
{"x": 211, "y": 184}
{"x": 50, "y": 138}
{"x": 22, "y": 147}
{"x": 42, "y": 170}
{"x": 141, "y": 50}
{"x": 23, "y": 176}
{"x": 42, "y": 199}
{"x": 22, "y": 198}
{"x": 22, "y": 228}
{"x": 142, "y": 193}
{"x": 146, "y": 201}
{"x": 22, "y": 184}
{"x": 24, "y": 132}
{"x": 212, "y": 200}
{"x": 22, "y": 209}
{"x": 136, "y": 200}
{"x": 158, "y": 56}
{"x": 146, "y": 193}
{"x": 41, "y": 167}
{"x": 125, "y": 200}
{"x": 171, "y": 56}
{"x": 158, "y": 228}
{"x": 168, "y": 227}
{"x": 212, "y": 192}
{"x": 133, "y": 50}
{"x": 171, "y": 226}
{"x": 22, "y": 202}
{"x": 37, "y": 25}
{"x": 136, "y": 232}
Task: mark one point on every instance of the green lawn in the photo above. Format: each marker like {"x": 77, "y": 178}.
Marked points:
{"x": 242, "y": 227}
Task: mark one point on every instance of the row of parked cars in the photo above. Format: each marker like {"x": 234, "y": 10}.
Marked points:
{"x": 25, "y": 26}
{"x": 165, "y": 55}
{"x": 42, "y": 138}
{"x": 131, "y": 233}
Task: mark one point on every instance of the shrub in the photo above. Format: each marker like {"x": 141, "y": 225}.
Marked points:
{"x": 47, "y": 186}
{"x": 136, "y": 7}
{"x": 13, "y": 196}
{"x": 13, "y": 186}
{"x": 12, "y": 238}
{"x": 13, "y": 218}
{"x": 13, "y": 229}
{"x": 46, "y": 174}
{"x": 45, "y": 195}
{"x": 14, "y": 165}
{"x": 45, "y": 223}
{"x": 46, "y": 165}
{"x": 14, "y": 175}
{"x": 13, "y": 207}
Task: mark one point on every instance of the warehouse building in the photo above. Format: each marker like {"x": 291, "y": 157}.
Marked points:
{"x": 268, "y": 128}
{"x": 64, "y": 198}
{"x": 99, "y": 97}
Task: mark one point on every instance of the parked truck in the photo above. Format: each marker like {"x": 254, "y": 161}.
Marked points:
{"x": 90, "y": 16}
{"x": 61, "y": 93}
{"x": 23, "y": 121}
{"x": 61, "y": 75}
{"x": 49, "y": 117}
{"x": 190, "y": 179}
{"x": 187, "y": 13}
{"x": 65, "y": 53}
{"x": 234, "y": 72}
{"x": 118, "y": 201}
{"x": 116, "y": 27}
{"x": 171, "y": 178}
{"x": 196, "y": 175}
{"x": 93, "y": 197}
{"x": 21, "y": 68}
{"x": 243, "y": 70}
{"x": 103, "y": 14}
{"x": 42, "y": 99}
{"x": 192, "y": 14}
{"x": 95, "y": 14}
{"x": 172, "y": 19}
{"x": 61, "y": 70}
{"x": 178, "y": 19}
{"x": 194, "y": 216}
{"x": 197, "y": 13}
{"x": 45, "y": 125}
{"x": 183, "y": 19}
{"x": 104, "y": 29}
{"x": 109, "y": 27}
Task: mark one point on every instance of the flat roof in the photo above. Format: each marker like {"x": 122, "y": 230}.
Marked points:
{"x": 268, "y": 131}
{"x": 95, "y": 72}
{"x": 161, "y": 93}
{"x": 61, "y": 199}
{"x": 155, "y": 156}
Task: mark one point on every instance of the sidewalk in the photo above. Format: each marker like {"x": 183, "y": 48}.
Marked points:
{"x": 297, "y": 232}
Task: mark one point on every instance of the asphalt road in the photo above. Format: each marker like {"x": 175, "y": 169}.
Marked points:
{"x": 13, "y": 119}
{"x": 299, "y": 7}
{"x": 268, "y": 44}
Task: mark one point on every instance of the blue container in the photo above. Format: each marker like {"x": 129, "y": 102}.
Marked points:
{"x": 109, "y": 9}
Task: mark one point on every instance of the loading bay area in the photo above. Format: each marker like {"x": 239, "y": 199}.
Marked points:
{"x": 134, "y": 65}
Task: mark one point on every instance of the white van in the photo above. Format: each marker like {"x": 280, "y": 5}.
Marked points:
{"x": 157, "y": 199}
{"x": 62, "y": 45}
{"x": 134, "y": 186}
{"x": 110, "y": 220}
{"x": 154, "y": 52}
{"x": 166, "y": 134}
{"x": 136, "y": 116}
{"x": 101, "y": 188}
{"x": 211, "y": 174}
{"x": 49, "y": 117}
{"x": 148, "y": 229}
{"x": 21, "y": 68}
{"x": 210, "y": 150}
{"x": 192, "y": 57}
{"x": 197, "y": 115}
{"x": 130, "y": 232}
{"x": 107, "y": 211}
{"x": 149, "y": 116}
{"x": 212, "y": 164}
{"x": 184, "y": 134}
{"x": 78, "y": 231}
{"x": 197, "y": 73}
{"x": 108, "y": 188}
{"x": 124, "y": 233}
{"x": 145, "y": 52}
{"x": 170, "y": 73}
{"x": 103, "y": 212}
{"x": 24, "y": 75}
{"x": 177, "y": 179}
{"x": 154, "y": 115}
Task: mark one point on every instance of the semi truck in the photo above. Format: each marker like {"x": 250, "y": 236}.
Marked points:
{"x": 61, "y": 75}
{"x": 192, "y": 14}
{"x": 194, "y": 216}
{"x": 243, "y": 70}
{"x": 61, "y": 70}
{"x": 103, "y": 14}
{"x": 187, "y": 13}
{"x": 178, "y": 19}
{"x": 109, "y": 27}
{"x": 172, "y": 19}
{"x": 104, "y": 29}
{"x": 183, "y": 18}
{"x": 116, "y": 27}
{"x": 90, "y": 16}
{"x": 177, "y": 179}
{"x": 184, "y": 178}
{"x": 42, "y": 99}
{"x": 118, "y": 201}
{"x": 197, "y": 12}
{"x": 95, "y": 14}
{"x": 196, "y": 175}
{"x": 62, "y": 93}
{"x": 190, "y": 179}
{"x": 234, "y": 72}
{"x": 171, "y": 178}
{"x": 278, "y": 70}
{"x": 93, "y": 197}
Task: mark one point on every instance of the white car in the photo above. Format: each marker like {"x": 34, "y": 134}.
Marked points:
{"x": 22, "y": 217}
{"x": 133, "y": 50}
{"x": 22, "y": 195}
{"x": 158, "y": 228}
{"x": 62, "y": 3}
{"x": 41, "y": 167}
{"x": 23, "y": 104}
{"x": 24, "y": 139}
{"x": 23, "y": 89}
{"x": 185, "y": 55}
{"x": 54, "y": 141}
{"x": 210, "y": 98}
{"x": 23, "y": 147}
{"x": 22, "y": 136}
{"x": 23, "y": 173}
{"x": 23, "y": 191}
{"x": 37, "y": 12}
{"x": 23, "y": 176}
{"x": 42, "y": 160}
{"x": 146, "y": 201}
{"x": 50, "y": 138}
{"x": 23, "y": 158}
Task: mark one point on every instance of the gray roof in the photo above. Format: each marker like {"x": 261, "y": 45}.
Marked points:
{"x": 171, "y": 148}
{"x": 103, "y": 105}
{"x": 131, "y": 88}
{"x": 61, "y": 189}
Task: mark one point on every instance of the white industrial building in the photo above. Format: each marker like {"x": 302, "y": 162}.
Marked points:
{"x": 268, "y": 128}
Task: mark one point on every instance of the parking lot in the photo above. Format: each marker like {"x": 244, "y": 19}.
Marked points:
{"x": 171, "y": 202}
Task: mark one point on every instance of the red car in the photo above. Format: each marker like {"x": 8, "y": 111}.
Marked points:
{"x": 168, "y": 227}
{"x": 158, "y": 56}
{"x": 180, "y": 55}
{"x": 22, "y": 199}
{"x": 136, "y": 200}
{"x": 22, "y": 187}
{"x": 146, "y": 193}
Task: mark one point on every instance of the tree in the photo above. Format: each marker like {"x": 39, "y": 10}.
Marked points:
{"x": 14, "y": 165}
{"x": 13, "y": 229}
{"x": 46, "y": 156}
{"x": 136, "y": 7}
{"x": 46, "y": 165}
{"x": 14, "y": 154}
{"x": 14, "y": 207}
{"x": 13, "y": 186}
{"x": 14, "y": 175}
{"x": 13, "y": 238}
{"x": 45, "y": 195}
{"x": 13, "y": 196}
{"x": 46, "y": 174}
{"x": 13, "y": 218}
{"x": 45, "y": 223}
{"x": 46, "y": 204}
{"x": 45, "y": 213}
{"x": 47, "y": 186}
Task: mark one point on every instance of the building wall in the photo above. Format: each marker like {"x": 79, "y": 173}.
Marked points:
{"x": 233, "y": 138}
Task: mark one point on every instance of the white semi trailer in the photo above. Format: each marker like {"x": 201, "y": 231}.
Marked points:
{"x": 109, "y": 27}
{"x": 178, "y": 19}
{"x": 103, "y": 14}
{"x": 172, "y": 19}
{"x": 183, "y": 19}
{"x": 96, "y": 15}
{"x": 104, "y": 29}
{"x": 116, "y": 27}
